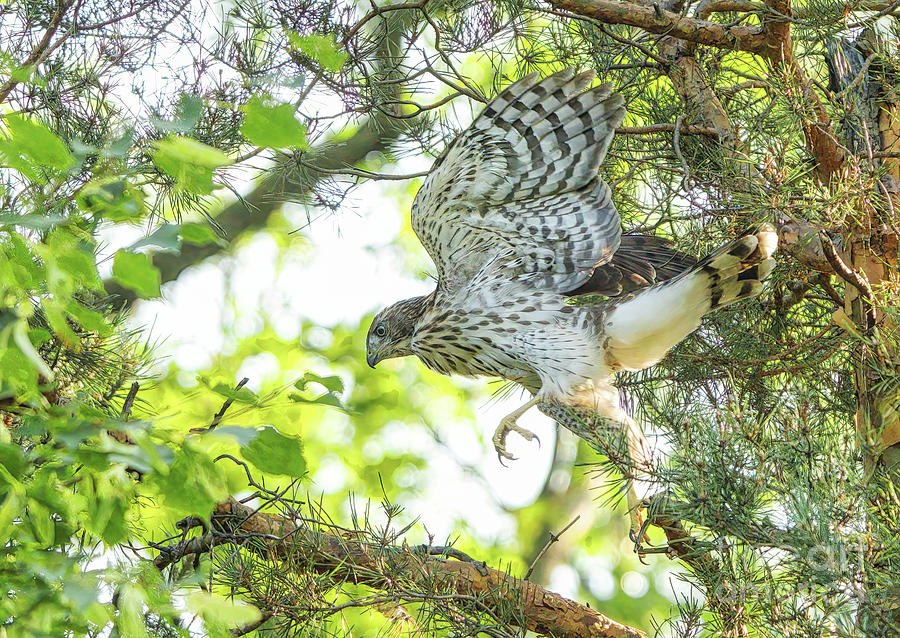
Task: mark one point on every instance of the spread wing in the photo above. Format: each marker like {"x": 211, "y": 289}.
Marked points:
{"x": 640, "y": 261}
{"x": 524, "y": 177}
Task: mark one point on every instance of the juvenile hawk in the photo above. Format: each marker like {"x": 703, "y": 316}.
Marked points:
{"x": 518, "y": 221}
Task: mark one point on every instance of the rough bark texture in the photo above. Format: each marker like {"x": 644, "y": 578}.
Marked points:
{"x": 871, "y": 238}
{"x": 300, "y": 546}
{"x": 655, "y": 19}
{"x": 814, "y": 119}
{"x": 701, "y": 102}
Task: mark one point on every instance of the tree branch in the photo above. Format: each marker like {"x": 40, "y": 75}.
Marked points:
{"x": 655, "y": 19}
{"x": 353, "y": 560}
{"x": 253, "y": 212}
{"x": 820, "y": 139}
{"x": 36, "y": 55}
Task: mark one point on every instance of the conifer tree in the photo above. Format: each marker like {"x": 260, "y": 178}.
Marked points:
{"x": 777, "y": 422}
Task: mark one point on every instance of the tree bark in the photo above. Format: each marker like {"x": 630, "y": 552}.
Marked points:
{"x": 388, "y": 568}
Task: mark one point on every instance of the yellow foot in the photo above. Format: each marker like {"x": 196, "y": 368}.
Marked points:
{"x": 507, "y": 425}
{"x": 638, "y": 528}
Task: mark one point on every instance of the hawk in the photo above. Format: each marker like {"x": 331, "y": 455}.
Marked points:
{"x": 518, "y": 222}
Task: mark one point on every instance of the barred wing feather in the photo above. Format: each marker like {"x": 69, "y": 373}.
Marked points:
{"x": 524, "y": 176}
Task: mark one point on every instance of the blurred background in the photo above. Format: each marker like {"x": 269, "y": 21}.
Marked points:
{"x": 298, "y": 296}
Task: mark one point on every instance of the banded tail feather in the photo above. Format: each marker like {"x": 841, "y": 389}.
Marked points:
{"x": 641, "y": 329}
{"x": 736, "y": 270}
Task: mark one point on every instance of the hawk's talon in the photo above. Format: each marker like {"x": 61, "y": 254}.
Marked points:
{"x": 640, "y": 537}
{"x": 506, "y": 426}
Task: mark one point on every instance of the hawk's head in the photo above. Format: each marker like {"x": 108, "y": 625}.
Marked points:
{"x": 392, "y": 329}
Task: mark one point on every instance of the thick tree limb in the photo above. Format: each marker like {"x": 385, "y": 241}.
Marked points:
{"x": 684, "y": 129}
{"x": 349, "y": 559}
{"x": 803, "y": 241}
{"x": 701, "y": 102}
{"x": 655, "y": 19}
{"x": 821, "y": 141}
{"x": 708, "y": 7}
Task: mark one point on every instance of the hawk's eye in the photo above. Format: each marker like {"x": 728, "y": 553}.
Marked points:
{"x": 380, "y": 331}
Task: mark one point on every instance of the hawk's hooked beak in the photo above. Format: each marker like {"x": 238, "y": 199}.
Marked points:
{"x": 371, "y": 359}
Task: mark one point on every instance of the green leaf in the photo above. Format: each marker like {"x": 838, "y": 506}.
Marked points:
{"x": 115, "y": 200}
{"x": 241, "y": 395}
{"x": 328, "y": 398}
{"x": 165, "y": 239}
{"x": 320, "y": 48}
{"x": 188, "y": 113}
{"x": 19, "y": 331}
{"x": 37, "y": 142}
{"x": 88, "y": 319}
{"x": 221, "y": 614}
{"x": 273, "y": 452}
{"x": 331, "y": 383}
{"x": 239, "y": 434}
{"x": 41, "y": 523}
{"x": 10, "y": 510}
{"x": 106, "y": 498}
{"x": 70, "y": 262}
{"x": 136, "y": 272}
{"x": 32, "y": 221}
{"x": 194, "y": 484}
{"x": 190, "y": 162}
{"x": 13, "y": 463}
{"x": 198, "y": 234}
{"x": 119, "y": 147}
{"x": 272, "y": 126}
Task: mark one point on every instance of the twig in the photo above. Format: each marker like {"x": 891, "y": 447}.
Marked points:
{"x": 553, "y": 538}
{"x": 684, "y": 129}
{"x": 129, "y": 400}
{"x": 246, "y": 629}
{"x": 357, "y": 172}
{"x": 677, "y": 146}
{"x": 221, "y": 413}
{"x": 169, "y": 555}
{"x": 35, "y": 56}
{"x": 824, "y": 281}
{"x": 872, "y": 18}
{"x": 852, "y": 277}
{"x": 452, "y": 552}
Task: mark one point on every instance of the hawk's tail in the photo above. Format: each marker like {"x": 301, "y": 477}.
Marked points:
{"x": 643, "y": 328}
{"x": 736, "y": 270}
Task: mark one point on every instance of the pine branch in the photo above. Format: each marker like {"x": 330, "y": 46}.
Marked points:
{"x": 655, "y": 19}
{"x": 347, "y": 559}
{"x": 37, "y": 54}
{"x": 815, "y": 121}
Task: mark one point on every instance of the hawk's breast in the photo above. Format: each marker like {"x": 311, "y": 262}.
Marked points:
{"x": 534, "y": 340}
{"x": 472, "y": 344}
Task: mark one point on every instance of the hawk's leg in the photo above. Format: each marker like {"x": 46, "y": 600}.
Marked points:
{"x": 507, "y": 425}
{"x": 588, "y": 423}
